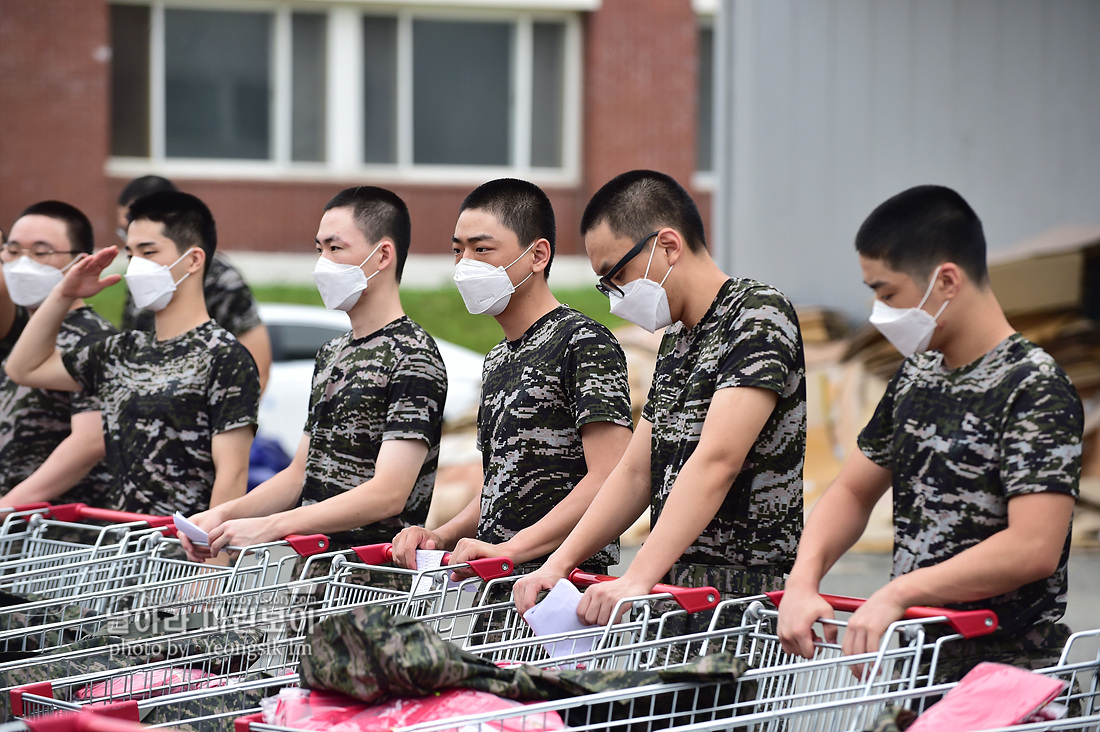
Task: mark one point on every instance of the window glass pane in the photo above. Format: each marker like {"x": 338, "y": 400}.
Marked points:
{"x": 307, "y": 122}
{"x": 461, "y": 92}
{"x": 704, "y": 150}
{"x": 547, "y": 91}
{"x": 217, "y": 83}
{"x": 130, "y": 80}
{"x": 379, "y": 89}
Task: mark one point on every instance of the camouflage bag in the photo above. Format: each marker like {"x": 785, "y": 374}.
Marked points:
{"x": 371, "y": 655}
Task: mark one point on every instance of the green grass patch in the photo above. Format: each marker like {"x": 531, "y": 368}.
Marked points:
{"x": 439, "y": 310}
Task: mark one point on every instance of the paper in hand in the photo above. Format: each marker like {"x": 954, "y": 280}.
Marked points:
{"x": 190, "y": 529}
{"x": 557, "y": 613}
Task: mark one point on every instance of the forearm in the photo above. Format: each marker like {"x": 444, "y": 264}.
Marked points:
{"x": 462, "y": 526}
{"x": 1005, "y": 561}
{"x": 833, "y": 527}
{"x": 363, "y": 505}
{"x": 694, "y": 500}
{"x": 621, "y": 500}
{"x": 548, "y": 533}
{"x": 38, "y": 341}
{"x": 66, "y": 465}
{"x": 278, "y": 493}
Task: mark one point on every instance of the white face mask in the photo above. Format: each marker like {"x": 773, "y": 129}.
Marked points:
{"x": 341, "y": 285}
{"x": 909, "y": 329}
{"x": 644, "y": 302}
{"x": 151, "y": 284}
{"x": 484, "y": 288}
{"x": 29, "y": 282}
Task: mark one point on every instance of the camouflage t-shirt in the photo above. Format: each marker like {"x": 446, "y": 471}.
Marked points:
{"x": 748, "y": 338}
{"x": 162, "y": 402}
{"x": 537, "y": 392}
{"x": 34, "y": 421}
{"x": 960, "y": 443}
{"x": 229, "y": 301}
{"x": 389, "y": 385}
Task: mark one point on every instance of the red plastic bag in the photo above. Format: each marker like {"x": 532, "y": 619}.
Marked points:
{"x": 322, "y": 710}
{"x": 991, "y": 695}
{"x": 147, "y": 684}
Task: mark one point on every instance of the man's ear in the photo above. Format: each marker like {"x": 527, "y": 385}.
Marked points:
{"x": 196, "y": 260}
{"x": 672, "y": 243}
{"x": 387, "y": 254}
{"x": 541, "y": 252}
{"x": 950, "y": 278}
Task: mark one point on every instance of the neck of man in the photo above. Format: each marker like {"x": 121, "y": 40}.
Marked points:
{"x": 185, "y": 312}
{"x": 697, "y": 282}
{"x": 529, "y": 302}
{"x": 978, "y": 325}
{"x": 378, "y": 306}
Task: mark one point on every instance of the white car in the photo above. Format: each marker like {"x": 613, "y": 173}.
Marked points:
{"x": 298, "y": 331}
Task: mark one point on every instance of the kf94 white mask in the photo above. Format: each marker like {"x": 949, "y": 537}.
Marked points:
{"x": 341, "y": 285}
{"x": 644, "y": 302}
{"x": 151, "y": 284}
{"x": 30, "y": 282}
{"x": 908, "y": 329}
{"x": 486, "y": 289}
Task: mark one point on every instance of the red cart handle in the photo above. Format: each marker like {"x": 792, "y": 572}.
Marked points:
{"x": 692, "y": 599}
{"x": 79, "y": 511}
{"x": 30, "y": 507}
{"x": 486, "y": 568}
{"x": 967, "y": 623}
{"x": 306, "y": 545}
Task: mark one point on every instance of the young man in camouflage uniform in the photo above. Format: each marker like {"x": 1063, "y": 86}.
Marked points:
{"x": 717, "y": 456}
{"x": 228, "y": 298}
{"x": 179, "y": 404}
{"x": 366, "y": 465}
{"x": 980, "y": 438}
{"x": 555, "y": 402}
{"x": 51, "y": 442}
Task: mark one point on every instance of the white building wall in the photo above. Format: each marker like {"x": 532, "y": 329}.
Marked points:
{"x": 828, "y": 107}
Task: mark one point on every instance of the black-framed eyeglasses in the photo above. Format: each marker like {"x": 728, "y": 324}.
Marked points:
{"x": 36, "y": 251}
{"x": 605, "y": 285}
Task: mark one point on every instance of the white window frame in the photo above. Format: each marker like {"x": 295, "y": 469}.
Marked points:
{"x": 344, "y": 86}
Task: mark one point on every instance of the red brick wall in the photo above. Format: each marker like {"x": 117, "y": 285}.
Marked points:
{"x": 53, "y": 105}
{"x": 639, "y": 111}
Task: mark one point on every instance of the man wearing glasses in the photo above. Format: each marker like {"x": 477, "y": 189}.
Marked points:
{"x": 555, "y": 407}
{"x": 50, "y": 441}
{"x": 717, "y": 456}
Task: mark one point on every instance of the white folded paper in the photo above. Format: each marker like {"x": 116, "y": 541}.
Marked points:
{"x": 557, "y": 613}
{"x": 427, "y": 559}
{"x": 190, "y": 529}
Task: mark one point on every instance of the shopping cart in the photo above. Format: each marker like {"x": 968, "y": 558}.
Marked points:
{"x": 199, "y": 688}
{"x": 774, "y": 684}
{"x": 248, "y": 639}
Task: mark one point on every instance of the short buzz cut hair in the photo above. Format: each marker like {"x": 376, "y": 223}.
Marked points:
{"x": 186, "y": 220}
{"x": 378, "y": 213}
{"x": 639, "y": 202}
{"x": 77, "y": 226}
{"x": 920, "y": 228}
{"x": 143, "y": 186}
{"x": 521, "y": 207}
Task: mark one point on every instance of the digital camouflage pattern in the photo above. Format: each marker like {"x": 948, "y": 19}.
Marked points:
{"x": 894, "y": 719}
{"x": 229, "y": 301}
{"x": 143, "y": 640}
{"x": 748, "y": 338}
{"x": 16, "y": 329}
{"x": 960, "y": 443}
{"x": 389, "y": 385}
{"x": 33, "y": 422}
{"x": 163, "y": 401}
{"x": 371, "y": 655}
{"x": 537, "y": 392}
